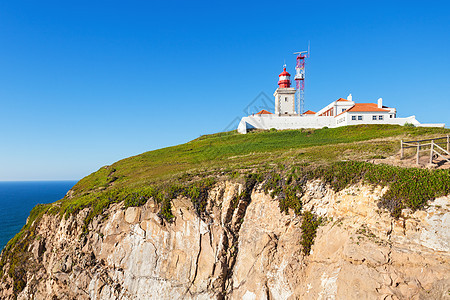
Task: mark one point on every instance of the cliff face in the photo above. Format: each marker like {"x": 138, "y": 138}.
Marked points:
{"x": 245, "y": 249}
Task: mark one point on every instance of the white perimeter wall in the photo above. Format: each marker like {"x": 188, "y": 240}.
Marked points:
{"x": 283, "y": 122}
{"x": 296, "y": 122}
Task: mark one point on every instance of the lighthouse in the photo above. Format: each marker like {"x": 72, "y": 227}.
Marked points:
{"x": 341, "y": 112}
{"x": 284, "y": 95}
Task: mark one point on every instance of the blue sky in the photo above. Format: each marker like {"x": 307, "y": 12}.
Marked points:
{"x": 86, "y": 83}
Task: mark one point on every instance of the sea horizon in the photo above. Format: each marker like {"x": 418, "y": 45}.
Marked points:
{"x": 41, "y": 180}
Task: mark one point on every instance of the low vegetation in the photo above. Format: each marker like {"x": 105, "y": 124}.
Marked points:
{"x": 287, "y": 191}
{"x": 408, "y": 187}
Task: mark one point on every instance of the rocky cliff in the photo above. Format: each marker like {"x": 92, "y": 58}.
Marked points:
{"x": 243, "y": 248}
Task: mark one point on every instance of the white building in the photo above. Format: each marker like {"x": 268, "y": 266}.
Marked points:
{"x": 341, "y": 112}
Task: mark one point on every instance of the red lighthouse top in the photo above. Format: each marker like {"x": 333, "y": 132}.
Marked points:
{"x": 284, "y": 79}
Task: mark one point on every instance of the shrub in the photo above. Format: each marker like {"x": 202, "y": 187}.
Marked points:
{"x": 273, "y": 183}
{"x": 291, "y": 200}
{"x": 309, "y": 226}
{"x": 198, "y": 193}
{"x": 285, "y": 190}
{"x": 166, "y": 211}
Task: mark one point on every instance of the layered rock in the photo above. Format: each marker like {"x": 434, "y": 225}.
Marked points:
{"x": 245, "y": 250}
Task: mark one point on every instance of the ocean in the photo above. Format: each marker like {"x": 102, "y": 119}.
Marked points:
{"x": 19, "y": 197}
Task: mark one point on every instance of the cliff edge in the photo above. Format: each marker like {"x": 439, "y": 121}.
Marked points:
{"x": 295, "y": 230}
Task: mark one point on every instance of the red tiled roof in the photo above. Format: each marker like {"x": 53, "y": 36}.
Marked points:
{"x": 309, "y": 112}
{"x": 361, "y": 107}
{"x": 342, "y": 99}
{"x": 366, "y": 107}
{"x": 264, "y": 112}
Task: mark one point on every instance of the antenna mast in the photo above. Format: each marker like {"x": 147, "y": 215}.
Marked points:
{"x": 300, "y": 80}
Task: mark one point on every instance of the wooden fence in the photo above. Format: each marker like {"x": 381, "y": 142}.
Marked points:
{"x": 431, "y": 145}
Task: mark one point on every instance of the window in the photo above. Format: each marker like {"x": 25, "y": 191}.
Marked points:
{"x": 354, "y": 118}
{"x": 359, "y": 118}
{"x": 343, "y": 110}
{"x": 391, "y": 116}
{"x": 380, "y": 117}
{"x": 285, "y": 99}
{"x": 374, "y": 118}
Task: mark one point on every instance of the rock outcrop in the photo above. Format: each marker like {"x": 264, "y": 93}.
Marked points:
{"x": 245, "y": 249}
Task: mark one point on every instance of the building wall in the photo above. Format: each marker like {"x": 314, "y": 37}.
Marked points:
{"x": 341, "y": 106}
{"x": 367, "y": 118}
{"x": 346, "y": 119}
{"x": 296, "y": 122}
{"x": 285, "y": 101}
{"x": 287, "y": 104}
{"x": 335, "y": 108}
{"x": 283, "y": 122}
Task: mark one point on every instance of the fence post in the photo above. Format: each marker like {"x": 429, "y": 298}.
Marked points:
{"x": 448, "y": 143}
{"x": 431, "y": 152}
{"x": 401, "y": 149}
{"x": 418, "y": 150}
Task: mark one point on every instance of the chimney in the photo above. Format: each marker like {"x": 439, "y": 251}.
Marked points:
{"x": 349, "y": 97}
{"x": 380, "y": 102}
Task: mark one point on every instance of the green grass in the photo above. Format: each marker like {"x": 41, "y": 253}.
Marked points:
{"x": 232, "y": 149}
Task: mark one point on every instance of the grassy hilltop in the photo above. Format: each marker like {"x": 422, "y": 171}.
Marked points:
{"x": 281, "y": 160}
{"x": 230, "y": 150}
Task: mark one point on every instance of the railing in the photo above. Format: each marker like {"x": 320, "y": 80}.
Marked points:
{"x": 423, "y": 145}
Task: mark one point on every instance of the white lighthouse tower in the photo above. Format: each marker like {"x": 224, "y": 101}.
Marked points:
{"x": 285, "y": 95}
